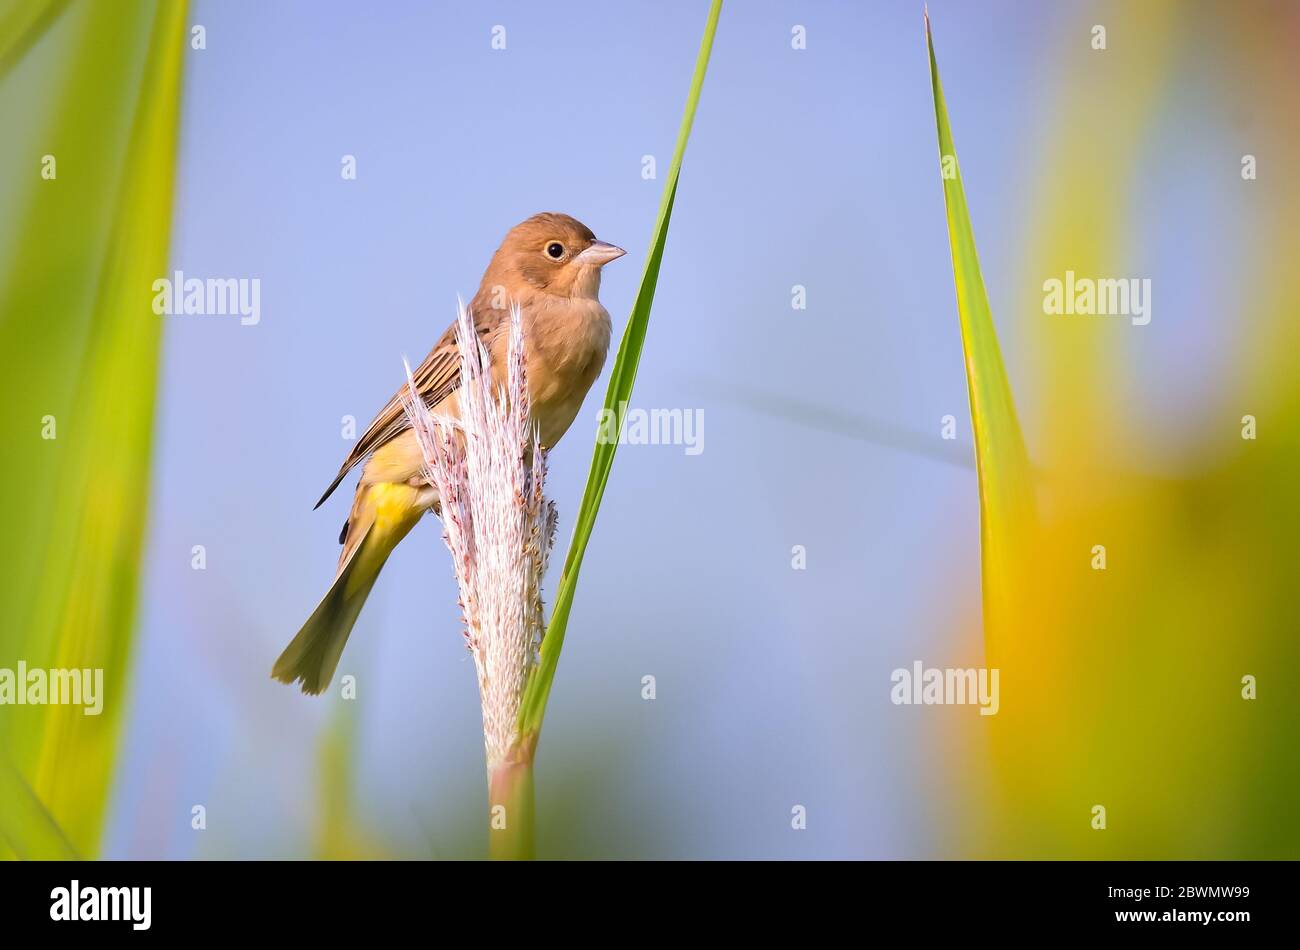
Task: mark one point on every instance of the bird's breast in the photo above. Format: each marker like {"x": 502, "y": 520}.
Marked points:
{"x": 567, "y": 343}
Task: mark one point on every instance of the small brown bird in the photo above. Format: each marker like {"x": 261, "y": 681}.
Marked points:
{"x": 549, "y": 266}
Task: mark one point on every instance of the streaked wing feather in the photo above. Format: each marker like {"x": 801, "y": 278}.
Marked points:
{"x": 436, "y": 378}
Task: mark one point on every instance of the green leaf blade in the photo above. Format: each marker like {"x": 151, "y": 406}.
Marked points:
{"x": 619, "y": 391}
{"x": 1007, "y": 511}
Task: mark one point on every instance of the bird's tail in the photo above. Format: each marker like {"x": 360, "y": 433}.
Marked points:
{"x": 381, "y": 516}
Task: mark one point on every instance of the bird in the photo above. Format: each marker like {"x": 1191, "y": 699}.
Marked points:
{"x": 549, "y": 266}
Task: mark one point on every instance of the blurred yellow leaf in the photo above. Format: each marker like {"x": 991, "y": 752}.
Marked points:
{"x": 92, "y": 104}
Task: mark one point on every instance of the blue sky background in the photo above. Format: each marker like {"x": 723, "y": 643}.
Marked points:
{"x": 813, "y": 167}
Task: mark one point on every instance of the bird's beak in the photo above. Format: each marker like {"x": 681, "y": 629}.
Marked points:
{"x": 599, "y": 254}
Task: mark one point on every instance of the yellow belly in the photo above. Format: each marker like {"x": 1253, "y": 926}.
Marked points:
{"x": 398, "y": 460}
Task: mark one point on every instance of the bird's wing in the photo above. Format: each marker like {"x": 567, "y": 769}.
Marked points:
{"x": 436, "y": 378}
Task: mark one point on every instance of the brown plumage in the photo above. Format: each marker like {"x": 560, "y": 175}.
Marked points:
{"x": 549, "y": 266}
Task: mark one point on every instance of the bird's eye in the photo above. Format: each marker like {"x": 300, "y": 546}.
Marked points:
{"x": 555, "y": 250}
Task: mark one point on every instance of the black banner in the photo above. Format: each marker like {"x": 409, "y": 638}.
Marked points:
{"x": 1172, "y": 900}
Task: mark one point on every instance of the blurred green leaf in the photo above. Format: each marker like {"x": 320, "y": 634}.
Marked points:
{"x": 98, "y": 91}
{"x": 26, "y": 827}
{"x": 828, "y": 419}
{"x": 22, "y": 22}
{"x": 340, "y": 834}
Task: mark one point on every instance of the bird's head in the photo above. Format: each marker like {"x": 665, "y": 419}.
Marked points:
{"x": 553, "y": 254}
